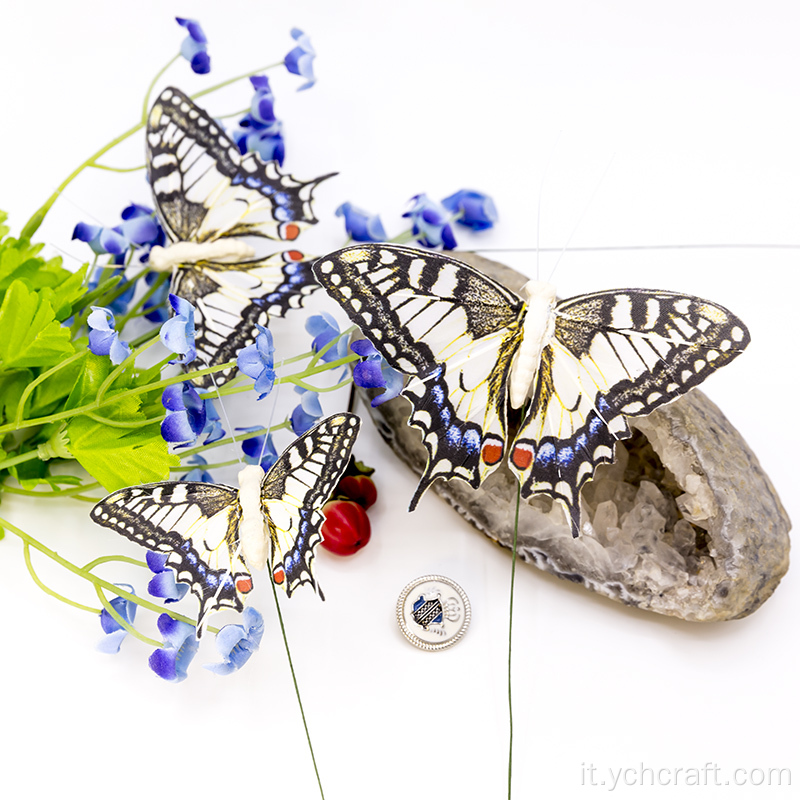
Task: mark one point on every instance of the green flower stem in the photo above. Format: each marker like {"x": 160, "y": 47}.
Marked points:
{"x": 193, "y": 451}
{"x": 296, "y": 687}
{"x": 75, "y": 490}
{"x": 297, "y": 377}
{"x": 318, "y": 355}
{"x": 233, "y": 80}
{"x": 510, "y": 621}
{"x": 146, "y": 103}
{"x": 115, "y": 559}
{"x": 92, "y": 500}
{"x": 88, "y": 576}
{"x": 144, "y": 338}
{"x": 112, "y": 423}
{"x": 36, "y": 220}
{"x": 404, "y": 237}
{"x": 122, "y": 622}
{"x": 321, "y": 389}
{"x": 20, "y": 459}
{"x": 119, "y": 369}
{"x": 94, "y": 405}
{"x": 43, "y": 377}
{"x": 118, "y": 169}
{"x": 132, "y": 312}
{"x": 218, "y": 465}
{"x": 26, "y": 550}
{"x": 233, "y": 114}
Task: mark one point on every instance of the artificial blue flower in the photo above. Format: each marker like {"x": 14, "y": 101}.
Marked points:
{"x": 360, "y": 225}
{"x": 257, "y": 361}
{"x": 213, "y": 427}
{"x": 236, "y": 643}
{"x": 300, "y": 60}
{"x": 186, "y": 413}
{"x": 139, "y": 229}
{"x": 103, "y": 339}
{"x": 155, "y": 305}
{"x": 259, "y": 449}
{"x": 114, "y": 632}
{"x": 430, "y": 223}
{"x": 102, "y": 240}
{"x": 171, "y": 661}
{"x": 307, "y": 412}
{"x": 194, "y": 47}
{"x": 374, "y": 373}
{"x": 119, "y": 305}
{"x": 259, "y": 131}
{"x": 198, "y": 474}
{"x": 324, "y": 328}
{"x": 163, "y": 583}
{"x": 177, "y": 333}
{"x": 473, "y": 209}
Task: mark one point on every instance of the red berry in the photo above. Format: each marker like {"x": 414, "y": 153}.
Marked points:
{"x": 346, "y": 528}
{"x": 359, "y": 488}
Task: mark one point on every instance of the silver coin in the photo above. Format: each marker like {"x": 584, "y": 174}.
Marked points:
{"x": 433, "y": 612}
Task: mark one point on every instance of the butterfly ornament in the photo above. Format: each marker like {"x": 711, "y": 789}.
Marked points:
{"x": 540, "y": 384}
{"x": 218, "y": 208}
{"x": 214, "y": 535}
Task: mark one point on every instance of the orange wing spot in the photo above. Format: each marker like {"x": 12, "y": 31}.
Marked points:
{"x": 492, "y": 452}
{"x": 290, "y": 231}
{"x": 278, "y": 575}
{"x": 522, "y": 456}
{"x": 244, "y": 585}
{"x": 294, "y": 255}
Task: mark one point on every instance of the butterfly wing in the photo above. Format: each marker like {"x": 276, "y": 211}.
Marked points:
{"x": 196, "y": 524}
{"x": 294, "y": 491}
{"x": 614, "y": 354}
{"x": 205, "y": 189}
{"x": 230, "y": 303}
{"x": 453, "y": 330}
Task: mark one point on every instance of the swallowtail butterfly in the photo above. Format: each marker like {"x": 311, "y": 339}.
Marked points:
{"x": 215, "y": 534}
{"x": 544, "y": 385}
{"x": 219, "y": 209}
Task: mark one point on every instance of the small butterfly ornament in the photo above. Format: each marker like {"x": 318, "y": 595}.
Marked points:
{"x": 218, "y": 208}
{"x": 543, "y": 384}
{"x": 215, "y": 534}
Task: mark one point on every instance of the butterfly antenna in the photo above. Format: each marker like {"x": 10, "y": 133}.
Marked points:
{"x": 583, "y": 214}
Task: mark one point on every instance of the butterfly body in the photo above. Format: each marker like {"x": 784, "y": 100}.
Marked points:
{"x": 541, "y": 385}
{"x": 215, "y": 534}
{"x": 220, "y": 210}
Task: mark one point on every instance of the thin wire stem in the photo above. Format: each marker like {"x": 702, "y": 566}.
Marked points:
{"x": 510, "y": 622}
{"x": 296, "y": 687}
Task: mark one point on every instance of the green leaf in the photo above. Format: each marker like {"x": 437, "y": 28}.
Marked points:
{"x": 63, "y": 296}
{"x": 30, "y": 335}
{"x": 119, "y": 457}
{"x": 49, "y": 396}
{"x": 114, "y": 456}
{"x": 12, "y": 385}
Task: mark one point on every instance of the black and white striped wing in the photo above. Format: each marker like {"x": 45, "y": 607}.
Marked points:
{"x": 453, "y": 330}
{"x": 230, "y": 303}
{"x": 295, "y": 489}
{"x": 615, "y": 354}
{"x": 196, "y": 524}
{"x": 205, "y": 189}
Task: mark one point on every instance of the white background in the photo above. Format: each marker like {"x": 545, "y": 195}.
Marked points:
{"x": 698, "y": 104}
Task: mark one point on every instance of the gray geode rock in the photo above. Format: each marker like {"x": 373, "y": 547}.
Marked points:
{"x": 685, "y": 522}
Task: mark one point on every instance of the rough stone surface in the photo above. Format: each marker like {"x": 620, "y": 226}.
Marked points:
{"x": 685, "y": 522}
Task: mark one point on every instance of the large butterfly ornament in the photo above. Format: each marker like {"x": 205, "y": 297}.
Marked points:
{"x": 542, "y": 384}
{"x": 218, "y": 208}
{"x": 215, "y": 534}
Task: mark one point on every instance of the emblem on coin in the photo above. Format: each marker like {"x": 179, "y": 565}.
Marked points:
{"x": 433, "y": 612}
